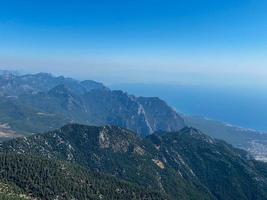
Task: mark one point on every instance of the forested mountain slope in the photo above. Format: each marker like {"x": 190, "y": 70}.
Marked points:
{"x": 50, "y": 179}
{"x": 183, "y": 165}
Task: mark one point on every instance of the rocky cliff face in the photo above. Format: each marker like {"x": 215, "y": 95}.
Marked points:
{"x": 155, "y": 110}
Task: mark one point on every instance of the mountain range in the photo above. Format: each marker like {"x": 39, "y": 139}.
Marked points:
{"x": 35, "y": 103}
{"x": 41, "y": 102}
{"x": 68, "y": 139}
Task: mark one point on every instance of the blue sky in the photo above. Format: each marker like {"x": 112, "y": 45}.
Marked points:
{"x": 219, "y": 42}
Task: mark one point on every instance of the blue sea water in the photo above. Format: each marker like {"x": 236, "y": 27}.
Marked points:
{"x": 244, "y": 107}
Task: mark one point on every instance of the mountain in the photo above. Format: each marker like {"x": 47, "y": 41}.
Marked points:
{"x": 35, "y": 103}
{"x": 229, "y": 173}
{"x": 183, "y": 165}
{"x": 254, "y": 142}
{"x": 20, "y": 119}
{"x": 41, "y": 102}
{"x": 41, "y": 178}
{"x": 12, "y": 84}
{"x": 156, "y": 110}
{"x": 111, "y": 150}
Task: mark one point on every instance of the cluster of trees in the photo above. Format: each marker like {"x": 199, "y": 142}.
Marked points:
{"x": 51, "y": 179}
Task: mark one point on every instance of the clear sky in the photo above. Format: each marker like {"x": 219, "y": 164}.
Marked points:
{"x": 218, "y": 42}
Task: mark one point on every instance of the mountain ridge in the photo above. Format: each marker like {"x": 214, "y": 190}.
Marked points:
{"x": 86, "y": 102}
{"x": 178, "y": 164}
{"x": 37, "y": 103}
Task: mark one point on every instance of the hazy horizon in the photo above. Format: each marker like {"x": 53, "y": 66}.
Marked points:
{"x": 220, "y": 43}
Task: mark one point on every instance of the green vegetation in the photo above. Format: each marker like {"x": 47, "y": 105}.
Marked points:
{"x": 25, "y": 119}
{"x": 50, "y": 179}
{"x": 11, "y": 192}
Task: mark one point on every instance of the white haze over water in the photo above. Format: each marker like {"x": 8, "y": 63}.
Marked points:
{"x": 196, "y": 71}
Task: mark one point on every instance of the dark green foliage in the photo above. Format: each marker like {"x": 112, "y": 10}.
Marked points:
{"x": 11, "y": 192}
{"x": 48, "y": 179}
{"x": 7, "y": 197}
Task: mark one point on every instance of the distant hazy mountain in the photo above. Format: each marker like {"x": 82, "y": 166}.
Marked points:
{"x": 14, "y": 85}
{"x": 41, "y": 102}
{"x": 182, "y": 165}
